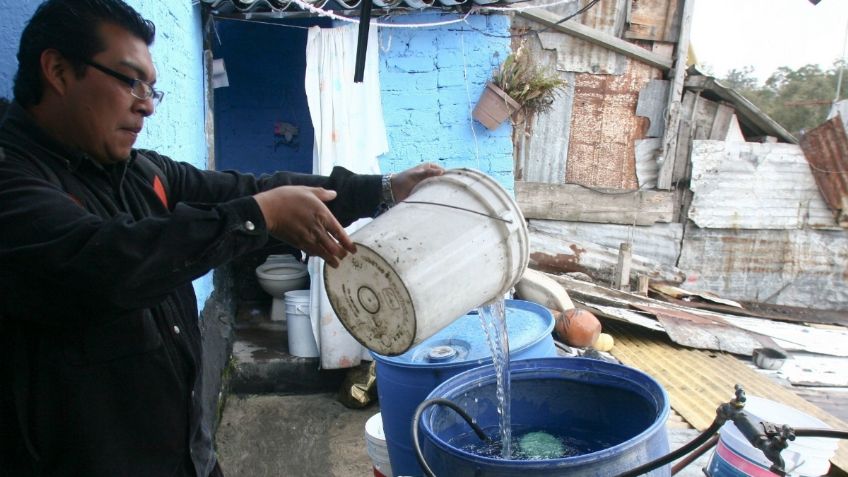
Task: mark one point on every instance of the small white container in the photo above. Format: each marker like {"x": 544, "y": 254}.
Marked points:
{"x": 375, "y": 440}
{"x": 300, "y": 336}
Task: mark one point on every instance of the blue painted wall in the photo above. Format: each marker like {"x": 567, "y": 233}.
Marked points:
{"x": 265, "y": 65}
{"x": 431, "y": 79}
{"x": 15, "y": 15}
{"x": 177, "y": 128}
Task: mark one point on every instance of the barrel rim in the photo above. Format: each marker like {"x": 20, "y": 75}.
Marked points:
{"x": 483, "y": 374}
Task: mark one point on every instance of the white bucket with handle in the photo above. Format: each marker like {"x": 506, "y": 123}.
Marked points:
{"x": 301, "y": 337}
{"x": 457, "y": 242}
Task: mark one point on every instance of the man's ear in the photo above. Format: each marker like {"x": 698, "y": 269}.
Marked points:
{"x": 56, "y": 70}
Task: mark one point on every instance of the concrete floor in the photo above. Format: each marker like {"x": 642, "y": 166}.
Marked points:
{"x": 314, "y": 435}
{"x": 302, "y": 435}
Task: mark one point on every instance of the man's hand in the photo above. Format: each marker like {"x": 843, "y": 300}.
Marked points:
{"x": 299, "y": 216}
{"x": 404, "y": 182}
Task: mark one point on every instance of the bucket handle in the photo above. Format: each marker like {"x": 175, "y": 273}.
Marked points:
{"x": 301, "y": 309}
{"x": 422, "y": 202}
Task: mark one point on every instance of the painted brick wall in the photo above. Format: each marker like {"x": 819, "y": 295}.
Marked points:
{"x": 177, "y": 127}
{"x": 15, "y": 15}
{"x": 431, "y": 79}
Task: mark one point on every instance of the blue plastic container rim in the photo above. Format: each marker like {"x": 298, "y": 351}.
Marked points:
{"x": 546, "y": 367}
{"x": 520, "y": 305}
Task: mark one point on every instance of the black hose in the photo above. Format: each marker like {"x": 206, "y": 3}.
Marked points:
{"x": 444, "y": 402}
{"x": 832, "y": 433}
{"x": 671, "y": 456}
{"x": 694, "y": 455}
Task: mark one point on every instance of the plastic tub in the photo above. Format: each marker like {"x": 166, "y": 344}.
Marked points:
{"x": 404, "y": 381}
{"x": 612, "y": 414}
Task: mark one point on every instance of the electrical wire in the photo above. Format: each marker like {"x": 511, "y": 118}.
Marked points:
{"x": 531, "y": 31}
{"x": 678, "y": 453}
{"x": 464, "y": 19}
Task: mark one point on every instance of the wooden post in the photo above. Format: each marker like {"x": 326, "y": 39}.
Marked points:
{"x": 643, "y": 284}
{"x": 621, "y": 279}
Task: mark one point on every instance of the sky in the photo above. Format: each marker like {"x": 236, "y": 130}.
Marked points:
{"x": 767, "y": 34}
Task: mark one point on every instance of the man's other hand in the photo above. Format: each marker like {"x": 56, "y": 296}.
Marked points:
{"x": 299, "y": 216}
{"x": 404, "y": 182}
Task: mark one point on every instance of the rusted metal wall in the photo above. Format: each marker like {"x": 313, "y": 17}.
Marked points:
{"x": 754, "y": 186}
{"x": 785, "y": 267}
{"x": 541, "y": 141}
{"x": 826, "y": 149}
{"x": 605, "y": 127}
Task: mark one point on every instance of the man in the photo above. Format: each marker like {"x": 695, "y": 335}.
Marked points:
{"x": 99, "y": 341}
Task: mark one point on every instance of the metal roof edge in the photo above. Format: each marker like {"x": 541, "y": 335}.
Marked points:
{"x": 748, "y": 112}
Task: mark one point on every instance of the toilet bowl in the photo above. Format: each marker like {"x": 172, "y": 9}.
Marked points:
{"x": 279, "y": 274}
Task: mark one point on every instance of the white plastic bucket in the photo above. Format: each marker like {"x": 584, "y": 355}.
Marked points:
{"x": 375, "y": 441}
{"x": 301, "y": 339}
{"x": 805, "y": 456}
{"x": 457, "y": 242}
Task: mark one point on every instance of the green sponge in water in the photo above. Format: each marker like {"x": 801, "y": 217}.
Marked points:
{"x": 541, "y": 445}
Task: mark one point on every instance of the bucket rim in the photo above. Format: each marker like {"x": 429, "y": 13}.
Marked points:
{"x": 483, "y": 361}
{"x": 481, "y": 375}
{"x": 505, "y": 198}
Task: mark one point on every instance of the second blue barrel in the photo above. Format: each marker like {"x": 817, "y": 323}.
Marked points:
{"x": 404, "y": 381}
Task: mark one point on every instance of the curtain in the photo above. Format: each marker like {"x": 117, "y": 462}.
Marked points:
{"x": 349, "y": 132}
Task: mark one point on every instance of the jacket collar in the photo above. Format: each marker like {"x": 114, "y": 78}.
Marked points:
{"x": 23, "y": 130}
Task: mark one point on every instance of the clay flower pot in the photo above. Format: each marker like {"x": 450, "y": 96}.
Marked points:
{"x": 494, "y": 107}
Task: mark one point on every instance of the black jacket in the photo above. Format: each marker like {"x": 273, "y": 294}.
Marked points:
{"x": 100, "y": 360}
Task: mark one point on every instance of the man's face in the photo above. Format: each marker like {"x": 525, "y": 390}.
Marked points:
{"x": 104, "y": 118}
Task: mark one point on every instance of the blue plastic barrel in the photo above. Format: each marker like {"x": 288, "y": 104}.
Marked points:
{"x": 614, "y": 414}
{"x": 404, "y": 381}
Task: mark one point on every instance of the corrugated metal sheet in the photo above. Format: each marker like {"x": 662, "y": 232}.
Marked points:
{"x": 562, "y": 254}
{"x": 697, "y": 381}
{"x": 605, "y": 128}
{"x": 660, "y": 243}
{"x": 541, "y": 145}
{"x": 541, "y": 148}
{"x": 576, "y": 55}
{"x": 753, "y": 121}
{"x": 655, "y": 20}
{"x": 784, "y": 267}
{"x": 754, "y": 186}
{"x": 826, "y": 149}
{"x": 647, "y": 151}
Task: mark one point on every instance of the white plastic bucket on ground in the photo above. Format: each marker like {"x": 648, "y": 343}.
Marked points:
{"x": 805, "y": 456}
{"x": 457, "y": 242}
{"x": 301, "y": 338}
{"x": 375, "y": 440}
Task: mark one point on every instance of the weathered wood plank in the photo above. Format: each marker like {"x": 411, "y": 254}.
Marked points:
{"x": 577, "y": 203}
{"x": 599, "y": 38}
{"x": 653, "y": 20}
{"x": 664, "y": 180}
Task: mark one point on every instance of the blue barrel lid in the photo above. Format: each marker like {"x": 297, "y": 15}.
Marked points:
{"x": 464, "y": 341}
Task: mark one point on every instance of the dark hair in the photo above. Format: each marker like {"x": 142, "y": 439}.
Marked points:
{"x": 71, "y": 27}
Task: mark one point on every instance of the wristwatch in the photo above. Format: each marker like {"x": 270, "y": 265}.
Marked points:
{"x": 388, "y": 198}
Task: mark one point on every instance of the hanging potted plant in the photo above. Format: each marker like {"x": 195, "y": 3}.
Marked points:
{"x": 517, "y": 85}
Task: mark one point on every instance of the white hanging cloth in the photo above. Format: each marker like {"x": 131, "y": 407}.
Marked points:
{"x": 349, "y": 132}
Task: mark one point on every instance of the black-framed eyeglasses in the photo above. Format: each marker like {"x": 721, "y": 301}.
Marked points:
{"x": 138, "y": 88}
